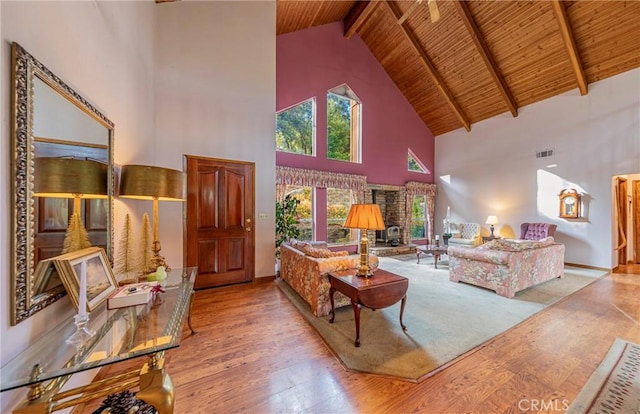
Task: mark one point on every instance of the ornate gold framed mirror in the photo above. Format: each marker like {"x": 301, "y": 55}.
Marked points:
{"x": 51, "y": 120}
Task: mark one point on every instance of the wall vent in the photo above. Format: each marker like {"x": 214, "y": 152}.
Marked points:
{"x": 544, "y": 154}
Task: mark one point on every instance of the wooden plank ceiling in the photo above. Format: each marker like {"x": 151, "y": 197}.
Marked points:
{"x": 483, "y": 58}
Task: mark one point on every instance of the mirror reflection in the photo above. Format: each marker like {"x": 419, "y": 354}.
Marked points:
{"x": 55, "y": 130}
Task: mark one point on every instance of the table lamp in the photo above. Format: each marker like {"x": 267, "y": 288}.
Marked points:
{"x": 145, "y": 182}
{"x": 492, "y": 220}
{"x": 70, "y": 178}
{"x": 364, "y": 217}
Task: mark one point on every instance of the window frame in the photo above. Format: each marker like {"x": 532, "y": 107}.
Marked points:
{"x": 314, "y": 111}
{"x": 289, "y": 189}
{"x": 355, "y": 125}
{"x": 424, "y": 218}
{"x": 353, "y": 233}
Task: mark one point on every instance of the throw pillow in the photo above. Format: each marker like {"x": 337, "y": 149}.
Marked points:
{"x": 340, "y": 253}
{"x": 302, "y": 246}
{"x": 512, "y": 245}
{"x": 322, "y": 253}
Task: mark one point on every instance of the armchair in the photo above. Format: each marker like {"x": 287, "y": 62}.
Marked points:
{"x": 536, "y": 231}
{"x": 469, "y": 235}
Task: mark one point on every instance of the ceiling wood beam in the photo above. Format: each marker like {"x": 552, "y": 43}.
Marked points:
{"x": 446, "y": 94}
{"x": 485, "y": 53}
{"x": 357, "y": 16}
{"x": 570, "y": 44}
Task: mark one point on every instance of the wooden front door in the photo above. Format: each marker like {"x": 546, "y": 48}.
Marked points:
{"x": 220, "y": 216}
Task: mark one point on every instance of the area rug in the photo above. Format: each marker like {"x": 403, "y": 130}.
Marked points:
{"x": 444, "y": 319}
{"x": 614, "y": 387}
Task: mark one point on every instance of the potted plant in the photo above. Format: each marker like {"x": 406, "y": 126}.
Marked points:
{"x": 286, "y": 220}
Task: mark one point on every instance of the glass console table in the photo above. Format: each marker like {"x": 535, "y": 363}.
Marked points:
{"x": 120, "y": 334}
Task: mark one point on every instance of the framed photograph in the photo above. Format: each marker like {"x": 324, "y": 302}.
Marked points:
{"x": 101, "y": 282}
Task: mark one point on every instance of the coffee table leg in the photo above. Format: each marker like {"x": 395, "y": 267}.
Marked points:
{"x": 333, "y": 309}
{"x": 418, "y": 255}
{"x": 436, "y": 256}
{"x": 356, "y": 313}
{"x": 404, "y": 302}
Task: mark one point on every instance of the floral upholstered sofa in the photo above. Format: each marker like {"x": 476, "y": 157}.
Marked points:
{"x": 507, "y": 266}
{"x": 305, "y": 268}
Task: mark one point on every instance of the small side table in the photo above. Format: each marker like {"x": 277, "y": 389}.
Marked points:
{"x": 435, "y": 250}
{"x": 381, "y": 290}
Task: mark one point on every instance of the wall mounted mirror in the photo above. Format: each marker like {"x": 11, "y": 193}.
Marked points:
{"x": 50, "y": 120}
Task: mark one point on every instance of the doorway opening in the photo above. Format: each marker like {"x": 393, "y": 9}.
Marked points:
{"x": 626, "y": 207}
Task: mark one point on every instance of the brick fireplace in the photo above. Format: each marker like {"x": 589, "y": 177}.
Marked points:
{"x": 392, "y": 200}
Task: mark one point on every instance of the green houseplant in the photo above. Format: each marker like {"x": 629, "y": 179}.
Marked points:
{"x": 286, "y": 220}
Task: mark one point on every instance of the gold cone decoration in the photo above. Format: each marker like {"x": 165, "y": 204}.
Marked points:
{"x": 76, "y": 237}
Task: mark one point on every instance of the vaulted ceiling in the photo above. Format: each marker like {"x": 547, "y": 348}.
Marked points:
{"x": 483, "y": 58}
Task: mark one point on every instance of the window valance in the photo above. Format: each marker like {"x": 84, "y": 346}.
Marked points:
{"x": 314, "y": 178}
{"x": 417, "y": 188}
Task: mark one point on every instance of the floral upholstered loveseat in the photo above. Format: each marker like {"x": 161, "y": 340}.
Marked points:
{"x": 308, "y": 275}
{"x": 507, "y": 266}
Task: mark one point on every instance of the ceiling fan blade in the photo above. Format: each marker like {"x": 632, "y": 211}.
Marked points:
{"x": 410, "y": 10}
{"x": 433, "y": 10}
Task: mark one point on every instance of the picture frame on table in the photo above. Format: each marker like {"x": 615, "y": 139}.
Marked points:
{"x": 46, "y": 276}
{"x": 100, "y": 280}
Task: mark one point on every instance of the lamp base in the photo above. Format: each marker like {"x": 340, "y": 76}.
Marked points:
{"x": 491, "y": 228}
{"x": 364, "y": 270}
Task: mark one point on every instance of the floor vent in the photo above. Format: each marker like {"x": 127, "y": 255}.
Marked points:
{"x": 544, "y": 154}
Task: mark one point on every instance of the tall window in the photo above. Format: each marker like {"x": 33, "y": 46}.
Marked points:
{"x": 338, "y": 204}
{"x": 295, "y": 129}
{"x": 343, "y": 124}
{"x": 305, "y": 210}
{"x": 419, "y": 217}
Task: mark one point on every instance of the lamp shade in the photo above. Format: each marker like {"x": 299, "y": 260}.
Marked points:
{"x": 364, "y": 216}
{"x": 147, "y": 183}
{"x": 69, "y": 178}
{"x": 492, "y": 220}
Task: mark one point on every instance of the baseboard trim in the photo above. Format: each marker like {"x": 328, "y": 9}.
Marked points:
{"x": 263, "y": 279}
{"x": 604, "y": 269}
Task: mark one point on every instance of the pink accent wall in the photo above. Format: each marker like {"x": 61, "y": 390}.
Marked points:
{"x": 312, "y": 61}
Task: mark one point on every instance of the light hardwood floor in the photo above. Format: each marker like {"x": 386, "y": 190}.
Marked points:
{"x": 254, "y": 353}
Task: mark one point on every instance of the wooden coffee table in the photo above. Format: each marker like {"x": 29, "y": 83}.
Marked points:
{"x": 381, "y": 290}
{"x": 436, "y": 251}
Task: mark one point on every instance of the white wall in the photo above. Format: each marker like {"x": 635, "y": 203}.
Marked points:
{"x": 216, "y": 98}
{"x": 493, "y": 169}
{"x": 104, "y": 51}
